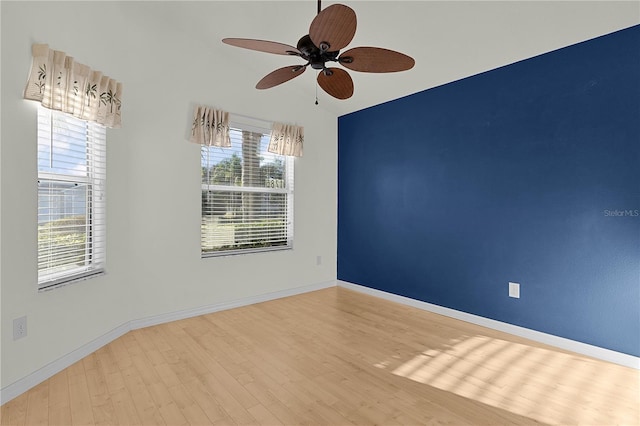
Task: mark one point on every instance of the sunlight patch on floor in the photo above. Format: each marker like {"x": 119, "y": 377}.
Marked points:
{"x": 542, "y": 384}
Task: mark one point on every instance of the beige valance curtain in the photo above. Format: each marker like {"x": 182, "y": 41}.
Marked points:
{"x": 286, "y": 139}
{"x": 60, "y": 83}
{"x": 210, "y": 127}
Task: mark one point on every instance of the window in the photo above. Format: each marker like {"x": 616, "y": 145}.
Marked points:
{"x": 71, "y": 198}
{"x": 247, "y": 195}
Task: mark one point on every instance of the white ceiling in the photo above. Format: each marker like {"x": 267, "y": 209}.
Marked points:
{"x": 448, "y": 39}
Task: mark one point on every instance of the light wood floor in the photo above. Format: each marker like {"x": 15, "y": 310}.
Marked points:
{"x": 331, "y": 357}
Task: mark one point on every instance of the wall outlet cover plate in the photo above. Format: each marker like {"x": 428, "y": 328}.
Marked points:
{"x": 514, "y": 290}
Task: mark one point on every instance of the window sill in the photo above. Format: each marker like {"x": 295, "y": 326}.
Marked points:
{"x": 62, "y": 282}
{"x": 206, "y": 255}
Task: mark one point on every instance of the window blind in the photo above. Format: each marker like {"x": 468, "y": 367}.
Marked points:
{"x": 247, "y": 195}
{"x": 71, "y": 198}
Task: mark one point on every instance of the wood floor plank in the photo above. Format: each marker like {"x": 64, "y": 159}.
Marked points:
{"x": 38, "y": 405}
{"x": 79, "y": 399}
{"x": 198, "y": 347}
{"x": 209, "y": 405}
{"x": 14, "y": 412}
{"x": 267, "y": 399}
{"x": 273, "y": 395}
{"x": 330, "y": 357}
{"x": 146, "y": 409}
{"x": 101, "y": 403}
{"x": 263, "y": 416}
{"x": 59, "y": 403}
{"x": 123, "y": 403}
{"x": 168, "y": 408}
{"x": 229, "y": 404}
{"x": 192, "y": 412}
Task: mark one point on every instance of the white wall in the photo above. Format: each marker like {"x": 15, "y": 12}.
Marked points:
{"x": 154, "y": 263}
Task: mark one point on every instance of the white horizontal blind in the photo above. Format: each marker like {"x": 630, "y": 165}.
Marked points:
{"x": 71, "y": 198}
{"x": 247, "y": 195}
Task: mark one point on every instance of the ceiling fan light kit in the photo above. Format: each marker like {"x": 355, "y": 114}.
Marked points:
{"x": 331, "y": 31}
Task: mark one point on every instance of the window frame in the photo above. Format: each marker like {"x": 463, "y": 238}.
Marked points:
{"x": 264, "y": 128}
{"x": 94, "y": 198}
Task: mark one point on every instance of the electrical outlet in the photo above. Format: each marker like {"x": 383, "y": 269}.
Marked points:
{"x": 19, "y": 328}
{"x": 514, "y": 290}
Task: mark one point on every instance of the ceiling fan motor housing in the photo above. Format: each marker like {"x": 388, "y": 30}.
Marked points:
{"x": 316, "y": 56}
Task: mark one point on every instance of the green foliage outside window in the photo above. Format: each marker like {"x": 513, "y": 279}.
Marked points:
{"x": 61, "y": 243}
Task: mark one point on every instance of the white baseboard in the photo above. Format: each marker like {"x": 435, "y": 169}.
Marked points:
{"x": 22, "y": 385}
{"x": 548, "y": 339}
{"x": 203, "y": 310}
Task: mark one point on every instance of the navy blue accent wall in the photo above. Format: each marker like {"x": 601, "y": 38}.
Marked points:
{"x": 527, "y": 173}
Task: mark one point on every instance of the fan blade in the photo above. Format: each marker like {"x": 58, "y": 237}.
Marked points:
{"x": 375, "y": 59}
{"x": 279, "y": 76}
{"x": 338, "y": 84}
{"x": 262, "y": 46}
{"x": 335, "y": 26}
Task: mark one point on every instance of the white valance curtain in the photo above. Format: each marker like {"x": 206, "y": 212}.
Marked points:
{"x": 286, "y": 139}
{"x": 60, "y": 83}
{"x": 210, "y": 127}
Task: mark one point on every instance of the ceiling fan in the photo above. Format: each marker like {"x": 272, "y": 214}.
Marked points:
{"x": 331, "y": 30}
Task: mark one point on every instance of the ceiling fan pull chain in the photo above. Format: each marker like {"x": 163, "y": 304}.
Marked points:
{"x": 317, "y": 82}
{"x": 319, "y": 7}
